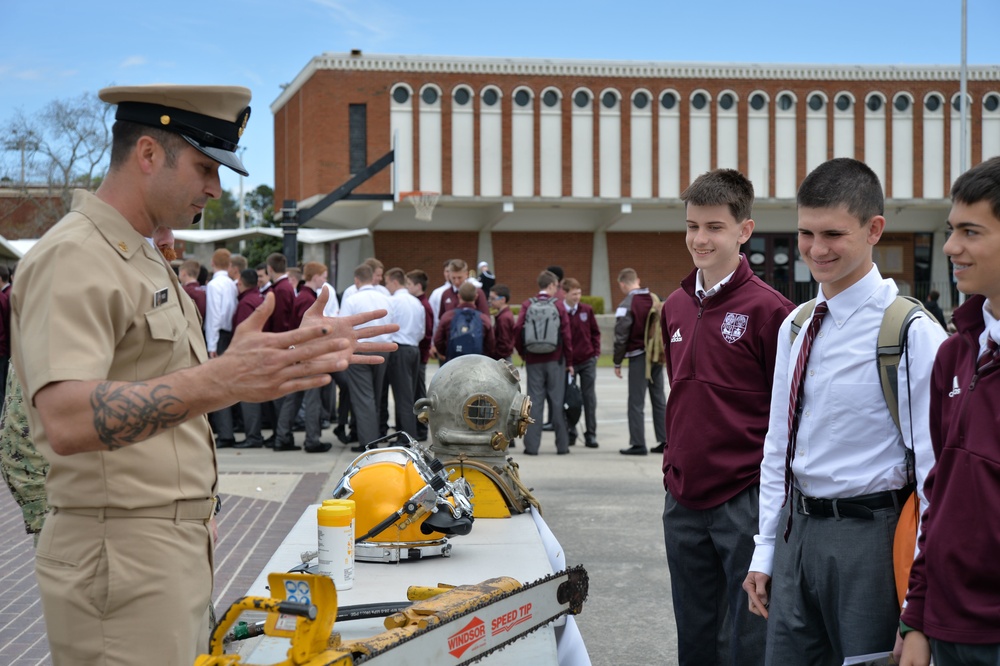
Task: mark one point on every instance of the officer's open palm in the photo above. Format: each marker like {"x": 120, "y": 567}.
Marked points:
{"x": 262, "y": 366}
{"x": 343, "y": 327}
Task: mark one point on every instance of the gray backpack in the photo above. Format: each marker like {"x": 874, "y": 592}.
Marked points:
{"x": 541, "y": 326}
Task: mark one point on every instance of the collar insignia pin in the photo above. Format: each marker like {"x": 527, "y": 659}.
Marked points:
{"x": 123, "y": 246}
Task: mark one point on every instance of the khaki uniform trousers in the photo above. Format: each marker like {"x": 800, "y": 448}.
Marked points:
{"x": 119, "y": 591}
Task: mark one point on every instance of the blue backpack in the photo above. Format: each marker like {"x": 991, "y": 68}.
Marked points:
{"x": 466, "y": 333}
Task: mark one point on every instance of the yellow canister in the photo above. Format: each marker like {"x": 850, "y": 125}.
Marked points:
{"x": 335, "y": 539}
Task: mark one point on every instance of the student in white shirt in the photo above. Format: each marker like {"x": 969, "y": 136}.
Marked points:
{"x": 377, "y": 268}
{"x": 365, "y": 384}
{"x": 404, "y": 363}
{"x": 822, "y": 571}
{"x": 221, "y": 295}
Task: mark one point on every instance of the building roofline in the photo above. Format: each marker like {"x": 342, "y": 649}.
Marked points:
{"x": 626, "y": 69}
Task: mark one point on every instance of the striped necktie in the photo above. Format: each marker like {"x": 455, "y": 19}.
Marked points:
{"x": 795, "y": 400}
{"x": 989, "y": 356}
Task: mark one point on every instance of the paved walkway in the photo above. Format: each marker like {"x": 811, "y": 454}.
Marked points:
{"x": 604, "y": 508}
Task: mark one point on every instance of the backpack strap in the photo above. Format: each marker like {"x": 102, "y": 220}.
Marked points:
{"x": 802, "y": 317}
{"x": 892, "y": 345}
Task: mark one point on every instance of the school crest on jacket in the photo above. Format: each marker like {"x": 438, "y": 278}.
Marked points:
{"x": 734, "y": 326}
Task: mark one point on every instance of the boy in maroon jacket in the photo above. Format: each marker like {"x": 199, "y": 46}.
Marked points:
{"x": 954, "y": 588}
{"x": 503, "y": 326}
{"x": 630, "y": 333}
{"x": 586, "y": 350}
{"x": 284, "y": 294}
{"x": 249, "y": 299}
{"x": 467, "y": 296}
{"x": 720, "y": 330}
{"x": 188, "y": 276}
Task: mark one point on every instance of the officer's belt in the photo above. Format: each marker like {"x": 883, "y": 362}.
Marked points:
{"x": 194, "y": 509}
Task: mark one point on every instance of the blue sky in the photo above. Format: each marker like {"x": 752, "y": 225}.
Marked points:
{"x": 56, "y": 49}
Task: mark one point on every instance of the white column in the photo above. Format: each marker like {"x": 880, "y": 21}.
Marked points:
{"x": 401, "y": 128}
{"x": 902, "y": 146}
{"x": 583, "y": 143}
{"x": 669, "y": 150}
{"x": 430, "y": 138}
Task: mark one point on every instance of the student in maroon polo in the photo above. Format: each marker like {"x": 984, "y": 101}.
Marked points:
{"x": 188, "y": 275}
{"x": 586, "y": 350}
{"x": 248, "y": 300}
{"x": 284, "y": 294}
{"x": 503, "y": 326}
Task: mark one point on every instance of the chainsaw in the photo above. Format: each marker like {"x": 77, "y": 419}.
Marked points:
{"x": 446, "y": 624}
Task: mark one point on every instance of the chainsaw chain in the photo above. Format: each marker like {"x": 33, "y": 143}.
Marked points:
{"x": 577, "y": 583}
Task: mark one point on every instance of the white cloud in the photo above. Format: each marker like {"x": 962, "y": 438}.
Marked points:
{"x": 132, "y": 61}
{"x": 376, "y": 22}
{"x": 28, "y": 74}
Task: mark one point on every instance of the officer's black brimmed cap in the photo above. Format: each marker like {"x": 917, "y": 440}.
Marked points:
{"x": 210, "y": 118}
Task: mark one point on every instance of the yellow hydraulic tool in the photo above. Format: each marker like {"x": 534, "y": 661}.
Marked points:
{"x": 305, "y": 614}
{"x": 456, "y": 625}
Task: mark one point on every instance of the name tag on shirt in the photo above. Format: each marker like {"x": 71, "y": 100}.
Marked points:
{"x": 160, "y": 297}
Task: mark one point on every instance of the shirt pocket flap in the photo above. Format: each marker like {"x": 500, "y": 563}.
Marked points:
{"x": 166, "y": 322}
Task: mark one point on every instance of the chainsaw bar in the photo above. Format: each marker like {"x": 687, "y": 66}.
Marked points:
{"x": 494, "y": 624}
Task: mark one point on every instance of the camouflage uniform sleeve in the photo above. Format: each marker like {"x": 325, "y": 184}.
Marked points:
{"x": 23, "y": 467}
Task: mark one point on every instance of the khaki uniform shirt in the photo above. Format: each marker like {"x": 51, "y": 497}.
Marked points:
{"x": 95, "y": 301}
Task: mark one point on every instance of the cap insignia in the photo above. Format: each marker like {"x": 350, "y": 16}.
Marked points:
{"x": 243, "y": 124}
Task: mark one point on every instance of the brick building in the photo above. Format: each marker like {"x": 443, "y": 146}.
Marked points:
{"x": 28, "y": 212}
{"x": 580, "y": 163}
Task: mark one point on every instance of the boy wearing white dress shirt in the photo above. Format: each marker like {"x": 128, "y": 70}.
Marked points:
{"x": 404, "y": 363}
{"x": 365, "y": 386}
{"x": 835, "y": 474}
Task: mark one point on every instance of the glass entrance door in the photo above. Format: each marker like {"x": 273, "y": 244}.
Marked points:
{"x": 775, "y": 259}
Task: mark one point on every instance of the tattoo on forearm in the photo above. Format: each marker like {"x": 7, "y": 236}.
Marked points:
{"x": 129, "y": 413}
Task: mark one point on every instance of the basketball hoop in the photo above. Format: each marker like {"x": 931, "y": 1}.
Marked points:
{"x": 424, "y": 202}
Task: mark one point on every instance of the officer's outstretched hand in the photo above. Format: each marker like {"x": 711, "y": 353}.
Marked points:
{"x": 344, "y": 327}
{"x": 262, "y": 366}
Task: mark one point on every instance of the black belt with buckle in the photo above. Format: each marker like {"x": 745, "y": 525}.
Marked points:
{"x": 862, "y": 507}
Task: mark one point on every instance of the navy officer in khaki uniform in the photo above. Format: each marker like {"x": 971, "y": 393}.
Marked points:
{"x": 118, "y": 385}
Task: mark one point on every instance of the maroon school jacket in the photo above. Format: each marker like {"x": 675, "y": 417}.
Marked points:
{"x": 955, "y": 584}
{"x": 720, "y": 364}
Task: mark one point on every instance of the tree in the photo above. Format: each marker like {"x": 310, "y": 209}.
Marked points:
{"x": 222, "y": 213}
{"x": 257, "y": 250}
{"x": 259, "y": 206}
{"x": 65, "y": 146}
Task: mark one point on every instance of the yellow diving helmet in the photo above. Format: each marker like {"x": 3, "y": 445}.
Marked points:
{"x": 406, "y": 506}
